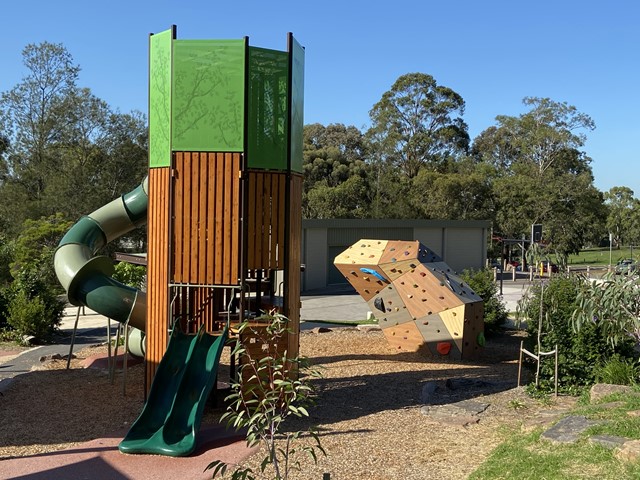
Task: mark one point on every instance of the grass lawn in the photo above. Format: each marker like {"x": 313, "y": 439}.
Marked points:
{"x": 525, "y": 456}
{"x": 600, "y": 256}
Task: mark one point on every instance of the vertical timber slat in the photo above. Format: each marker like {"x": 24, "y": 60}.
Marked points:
{"x": 259, "y": 219}
{"x": 281, "y": 225}
{"x": 228, "y": 192}
{"x": 219, "y": 245}
{"x": 178, "y": 190}
{"x": 211, "y": 226}
{"x": 158, "y": 261}
{"x": 267, "y": 220}
{"x": 235, "y": 222}
{"x": 250, "y": 222}
{"x": 293, "y": 275}
{"x": 193, "y": 230}
{"x": 202, "y": 220}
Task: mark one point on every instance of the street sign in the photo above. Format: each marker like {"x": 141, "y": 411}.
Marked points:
{"x": 536, "y": 233}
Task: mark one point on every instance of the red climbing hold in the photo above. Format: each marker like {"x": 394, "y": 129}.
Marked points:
{"x": 443, "y": 348}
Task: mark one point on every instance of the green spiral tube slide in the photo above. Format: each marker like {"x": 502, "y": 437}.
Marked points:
{"x": 85, "y": 276}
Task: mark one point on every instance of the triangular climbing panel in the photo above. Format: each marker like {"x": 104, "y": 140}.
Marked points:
{"x": 420, "y": 303}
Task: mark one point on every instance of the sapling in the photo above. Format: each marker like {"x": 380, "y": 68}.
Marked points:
{"x": 270, "y": 388}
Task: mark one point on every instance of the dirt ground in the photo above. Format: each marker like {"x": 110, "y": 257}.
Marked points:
{"x": 370, "y": 407}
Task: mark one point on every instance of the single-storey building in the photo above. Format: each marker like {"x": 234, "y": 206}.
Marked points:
{"x": 461, "y": 243}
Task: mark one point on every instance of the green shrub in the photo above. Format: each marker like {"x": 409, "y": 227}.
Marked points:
{"x": 612, "y": 303}
{"x": 482, "y": 283}
{"x": 32, "y": 306}
{"x": 618, "y": 371}
{"x": 130, "y": 274}
{"x": 4, "y": 303}
{"x": 35, "y": 247}
{"x": 6, "y": 258}
{"x": 579, "y": 351}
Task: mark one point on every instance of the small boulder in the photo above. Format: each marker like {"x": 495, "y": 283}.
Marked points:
{"x": 29, "y": 340}
{"x": 629, "y": 452}
{"x": 320, "y": 330}
{"x": 602, "y": 390}
{"x": 368, "y": 328}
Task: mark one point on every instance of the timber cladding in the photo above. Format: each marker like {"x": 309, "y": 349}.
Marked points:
{"x": 206, "y": 218}
{"x": 292, "y": 273}
{"x": 266, "y": 213}
{"x": 158, "y": 268}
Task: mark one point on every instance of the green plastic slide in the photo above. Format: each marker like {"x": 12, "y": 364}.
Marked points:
{"x": 172, "y": 414}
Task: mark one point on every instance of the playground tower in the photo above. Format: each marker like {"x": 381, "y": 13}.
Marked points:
{"x": 225, "y": 185}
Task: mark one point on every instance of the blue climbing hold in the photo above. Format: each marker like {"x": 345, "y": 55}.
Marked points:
{"x": 374, "y": 273}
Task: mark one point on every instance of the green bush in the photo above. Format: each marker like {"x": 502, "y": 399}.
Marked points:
{"x": 35, "y": 247}
{"x": 578, "y": 351}
{"x": 32, "y": 306}
{"x": 618, "y": 371}
{"x": 482, "y": 283}
{"x": 4, "y": 293}
{"x": 6, "y": 258}
{"x": 129, "y": 274}
{"x": 612, "y": 303}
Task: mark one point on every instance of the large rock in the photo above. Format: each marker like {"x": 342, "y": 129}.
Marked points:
{"x": 568, "y": 430}
{"x": 602, "y": 390}
{"x": 629, "y": 452}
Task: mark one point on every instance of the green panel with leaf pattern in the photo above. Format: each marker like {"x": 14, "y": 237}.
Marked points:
{"x": 208, "y": 95}
{"x": 267, "y": 122}
{"x": 160, "y": 99}
{"x": 297, "y": 105}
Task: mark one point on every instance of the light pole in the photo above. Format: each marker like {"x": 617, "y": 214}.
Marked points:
{"x": 610, "y": 244}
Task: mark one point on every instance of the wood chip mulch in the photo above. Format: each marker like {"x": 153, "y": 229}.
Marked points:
{"x": 369, "y": 411}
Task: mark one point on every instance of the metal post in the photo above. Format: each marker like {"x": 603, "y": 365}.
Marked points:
{"x": 73, "y": 338}
{"x": 125, "y": 357}
{"x": 115, "y": 355}
{"x": 520, "y": 362}
{"x": 109, "y": 357}
{"x": 556, "y": 370}
{"x": 610, "y": 247}
{"x": 539, "y": 333}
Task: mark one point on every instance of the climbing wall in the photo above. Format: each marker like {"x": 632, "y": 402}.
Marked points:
{"x": 420, "y": 304}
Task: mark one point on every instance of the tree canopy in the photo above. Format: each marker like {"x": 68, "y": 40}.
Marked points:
{"x": 419, "y": 123}
{"x": 62, "y": 149}
{"x": 543, "y": 176}
{"x": 65, "y": 152}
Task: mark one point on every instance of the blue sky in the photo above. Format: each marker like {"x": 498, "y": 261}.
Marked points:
{"x": 493, "y": 53}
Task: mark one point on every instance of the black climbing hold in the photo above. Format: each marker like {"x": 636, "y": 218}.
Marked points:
{"x": 379, "y": 304}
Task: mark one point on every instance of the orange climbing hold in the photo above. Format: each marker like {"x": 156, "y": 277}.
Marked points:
{"x": 443, "y": 348}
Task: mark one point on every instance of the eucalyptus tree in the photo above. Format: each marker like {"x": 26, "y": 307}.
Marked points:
{"x": 543, "y": 175}
{"x": 34, "y": 113}
{"x": 335, "y": 172}
{"x": 65, "y": 150}
{"x": 462, "y": 195}
{"x": 418, "y": 124}
{"x": 623, "y": 218}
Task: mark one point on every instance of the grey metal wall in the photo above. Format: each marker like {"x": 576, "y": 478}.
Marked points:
{"x": 462, "y": 244}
